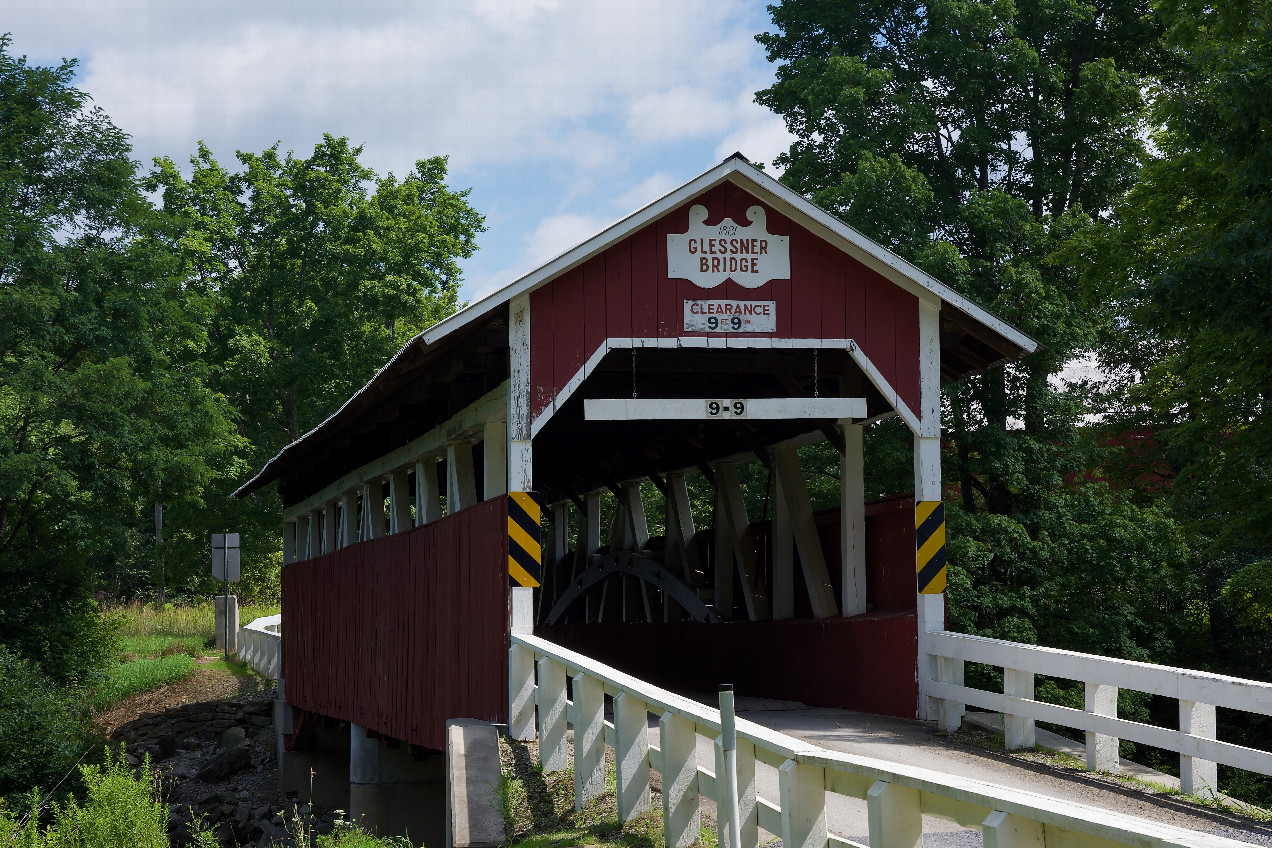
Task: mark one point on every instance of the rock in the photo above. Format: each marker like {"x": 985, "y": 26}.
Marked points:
{"x": 259, "y": 721}
{"x": 132, "y": 760}
{"x": 167, "y": 745}
{"x": 225, "y": 764}
{"x": 232, "y": 738}
{"x": 191, "y": 744}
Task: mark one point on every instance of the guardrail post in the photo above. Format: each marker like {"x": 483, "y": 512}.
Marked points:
{"x": 631, "y": 756}
{"x": 950, "y": 713}
{"x": 521, "y": 668}
{"x": 1018, "y": 731}
{"x": 550, "y": 697}
{"x": 1001, "y": 830}
{"x": 1198, "y": 776}
{"x": 802, "y": 795}
{"x": 1101, "y": 750}
{"x": 587, "y": 714}
{"x": 682, "y": 825}
{"x": 748, "y": 811}
{"x": 895, "y": 816}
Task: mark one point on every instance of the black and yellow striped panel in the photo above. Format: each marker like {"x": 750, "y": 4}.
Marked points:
{"x": 929, "y": 533}
{"x": 524, "y": 557}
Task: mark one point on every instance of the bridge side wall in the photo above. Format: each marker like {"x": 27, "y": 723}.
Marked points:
{"x": 401, "y": 633}
{"x": 864, "y": 663}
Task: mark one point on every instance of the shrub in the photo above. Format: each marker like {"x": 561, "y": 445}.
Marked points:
{"x": 43, "y": 729}
{"x": 119, "y": 809}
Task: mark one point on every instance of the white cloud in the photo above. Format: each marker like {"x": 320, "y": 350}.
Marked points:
{"x": 760, "y": 139}
{"x": 558, "y": 233}
{"x": 678, "y": 113}
{"x": 646, "y": 192}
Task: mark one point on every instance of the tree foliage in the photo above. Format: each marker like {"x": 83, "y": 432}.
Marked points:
{"x": 103, "y": 388}
{"x": 978, "y": 139}
{"x": 318, "y": 271}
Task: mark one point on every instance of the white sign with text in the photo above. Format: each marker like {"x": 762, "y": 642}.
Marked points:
{"x": 730, "y": 316}
{"x": 707, "y": 256}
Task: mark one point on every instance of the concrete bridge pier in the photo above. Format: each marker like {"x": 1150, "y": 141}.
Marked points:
{"x": 393, "y": 794}
{"x": 316, "y": 770}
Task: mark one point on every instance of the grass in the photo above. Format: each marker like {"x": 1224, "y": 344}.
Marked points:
{"x": 142, "y": 675}
{"x": 538, "y": 809}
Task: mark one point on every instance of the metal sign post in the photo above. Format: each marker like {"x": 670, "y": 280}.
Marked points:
{"x": 225, "y": 567}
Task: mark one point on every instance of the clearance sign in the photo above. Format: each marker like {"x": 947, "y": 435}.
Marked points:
{"x": 707, "y": 256}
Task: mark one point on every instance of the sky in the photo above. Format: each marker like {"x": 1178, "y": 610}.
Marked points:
{"x": 561, "y": 116}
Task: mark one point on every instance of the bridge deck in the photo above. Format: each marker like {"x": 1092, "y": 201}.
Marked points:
{"x": 911, "y": 743}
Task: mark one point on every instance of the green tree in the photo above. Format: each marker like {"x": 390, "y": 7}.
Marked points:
{"x": 1194, "y": 265}
{"x": 319, "y": 270}
{"x": 977, "y": 139}
{"x": 103, "y": 393}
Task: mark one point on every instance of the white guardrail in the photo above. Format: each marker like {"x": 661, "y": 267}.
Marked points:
{"x": 1198, "y": 693}
{"x": 897, "y": 796}
{"x": 260, "y": 645}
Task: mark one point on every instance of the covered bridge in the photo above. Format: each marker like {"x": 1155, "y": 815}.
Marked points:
{"x": 729, "y": 321}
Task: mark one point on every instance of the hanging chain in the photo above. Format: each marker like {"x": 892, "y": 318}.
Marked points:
{"x": 816, "y": 388}
{"x": 633, "y": 373}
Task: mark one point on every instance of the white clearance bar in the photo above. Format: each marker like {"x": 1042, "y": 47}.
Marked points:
{"x": 697, "y": 409}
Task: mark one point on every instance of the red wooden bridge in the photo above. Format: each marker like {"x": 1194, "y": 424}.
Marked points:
{"x": 727, "y": 326}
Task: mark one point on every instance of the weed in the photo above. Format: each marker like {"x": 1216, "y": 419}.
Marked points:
{"x": 142, "y": 675}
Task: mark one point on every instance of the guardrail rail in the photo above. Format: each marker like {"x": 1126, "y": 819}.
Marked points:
{"x": 1198, "y": 693}
{"x": 260, "y": 645}
{"x": 897, "y": 796}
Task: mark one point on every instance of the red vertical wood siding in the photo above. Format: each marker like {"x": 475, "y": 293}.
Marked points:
{"x": 867, "y": 662}
{"x": 625, "y": 293}
{"x": 402, "y": 633}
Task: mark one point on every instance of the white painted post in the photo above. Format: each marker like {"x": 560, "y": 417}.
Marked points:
{"x": 1001, "y": 830}
{"x": 748, "y": 810}
{"x": 927, "y": 482}
{"x": 852, "y": 520}
{"x": 521, "y": 689}
{"x": 289, "y": 542}
{"x": 1018, "y": 731}
{"x": 732, "y": 523}
{"x": 495, "y": 459}
{"x": 348, "y": 519}
{"x": 895, "y": 816}
{"x": 931, "y": 615}
{"x": 636, "y": 528}
{"x": 520, "y": 459}
{"x": 428, "y": 496}
{"x": 1198, "y": 776}
{"x": 587, "y": 714}
{"x": 812, "y": 560}
{"x": 682, "y": 824}
{"x": 461, "y": 483}
{"x": 782, "y": 543}
{"x": 373, "y": 510}
{"x": 1101, "y": 750}
{"x": 313, "y": 546}
{"x": 681, "y": 531}
{"x": 802, "y": 796}
{"x": 950, "y": 713}
{"x": 550, "y": 695}
{"x": 631, "y": 756}
{"x": 329, "y": 527}
{"x": 590, "y": 543}
{"x": 399, "y": 502}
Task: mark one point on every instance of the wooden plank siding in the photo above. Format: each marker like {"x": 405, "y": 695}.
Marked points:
{"x": 624, "y": 292}
{"x": 401, "y": 633}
